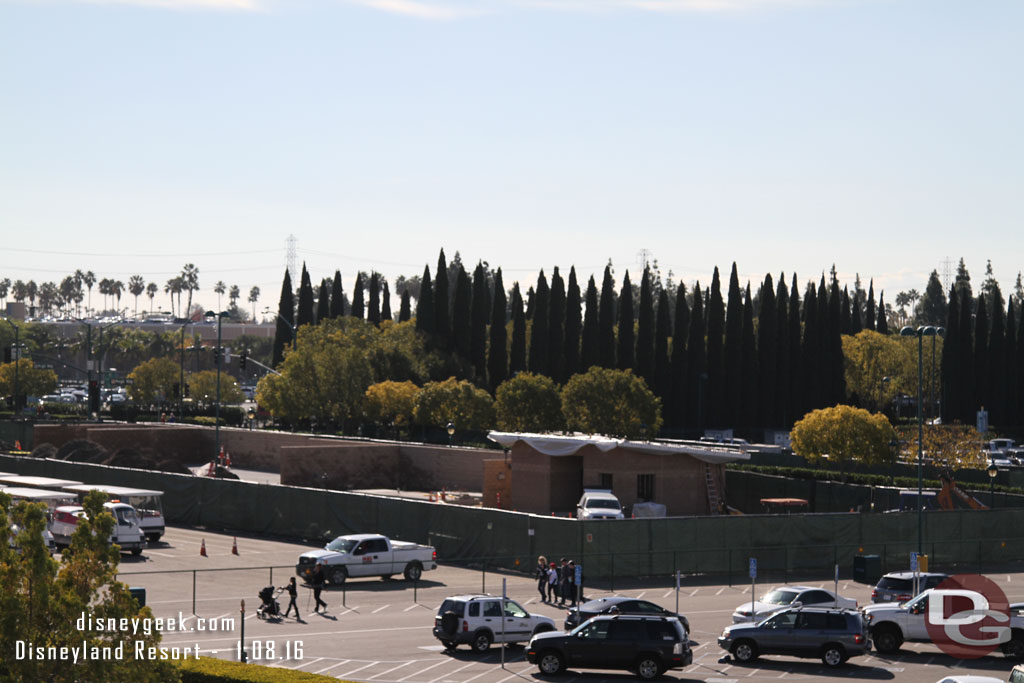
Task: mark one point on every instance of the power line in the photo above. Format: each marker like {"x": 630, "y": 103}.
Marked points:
{"x": 47, "y": 252}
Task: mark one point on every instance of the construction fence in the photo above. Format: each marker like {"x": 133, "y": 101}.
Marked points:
{"x": 609, "y": 550}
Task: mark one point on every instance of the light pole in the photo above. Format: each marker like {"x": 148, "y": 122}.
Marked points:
{"x": 181, "y": 378}
{"x": 293, "y": 328}
{"x": 450, "y": 428}
{"x": 992, "y": 472}
{"x": 881, "y": 385}
{"x": 220, "y": 361}
{"x": 16, "y": 357}
{"x": 920, "y": 333}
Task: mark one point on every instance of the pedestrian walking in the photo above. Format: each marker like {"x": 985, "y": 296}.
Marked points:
{"x": 541, "y": 575}
{"x": 293, "y": 592}
{"x": 317, "y": 581}
{"x": 563, "y": 579}
{"x": 552, "y": 581}
{"x": 571, "y": 582}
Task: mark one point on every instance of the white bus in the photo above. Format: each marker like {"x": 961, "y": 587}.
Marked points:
{"x": 146, "y": 502}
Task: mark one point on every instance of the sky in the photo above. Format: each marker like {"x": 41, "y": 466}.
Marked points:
{"x": 881, "y": 136}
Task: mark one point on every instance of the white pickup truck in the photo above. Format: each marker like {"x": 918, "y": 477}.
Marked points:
{"x": 367, "y": 555}
{"x": 891, "y": 624}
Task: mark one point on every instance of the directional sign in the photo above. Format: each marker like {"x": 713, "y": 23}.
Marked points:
{"x": 753, "y": 567}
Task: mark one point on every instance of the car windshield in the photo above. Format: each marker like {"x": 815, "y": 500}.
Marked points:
{"x": 893, "y": 584}
{"x": 125, "y": 516}
{"x": 603, "y": 503}
{"x": 342, "y": 545}
{"x": 779, "y": 597}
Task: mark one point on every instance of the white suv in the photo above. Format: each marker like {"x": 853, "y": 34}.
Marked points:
{"x": 598, "y": 504}
{"x": 479, "y": 620}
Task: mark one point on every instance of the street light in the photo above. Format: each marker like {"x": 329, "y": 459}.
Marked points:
{"x": 920, "y": 333}
{"x": 220, "y": 361}
{"x": 286, "y": 321}
{"x": 450, "y": 427}
{"x": 16, "y": 357}
{"x": 252, "y": 417}
{"x": 992, "y": 472}
{"x": 881, "y": 384}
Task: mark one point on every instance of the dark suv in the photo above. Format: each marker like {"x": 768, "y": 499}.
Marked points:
{"x": 618, "y": 605}
{"x": 646, "y": 645}
{"x": 835, "y": 635}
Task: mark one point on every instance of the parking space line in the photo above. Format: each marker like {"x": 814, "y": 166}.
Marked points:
{"x": 411, "y": 607}
{"x": 302, "y": 663}
{"x": 482, "y": 673}
{"x": 452, "y": 673}
{"x": 695, "y": 590}
{"x": 153, "y": 552}
{"x": 394, "y": 668}
{"x": 344, "y": 661}
{"x": 668, "y": 593}
{"x": 720, "y": 590}
{"x": 642, "y": 594}
{"x": 380, "y": 609}
{"x": 349, "y": 673}
{"x": 443, "y": 661}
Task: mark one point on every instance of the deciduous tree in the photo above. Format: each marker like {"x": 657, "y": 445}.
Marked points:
{"x": 612, "y": 402}
{"x": 843, "y": 434}
{"x": 528, "y": 403}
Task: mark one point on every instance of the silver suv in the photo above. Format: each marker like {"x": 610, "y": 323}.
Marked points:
{"x": 899, "y": 586}
{"x": 834, "y": 635}
{"x": 479, "y": 619}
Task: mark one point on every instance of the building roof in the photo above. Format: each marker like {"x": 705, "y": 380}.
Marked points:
{"x": 557, "y": 445}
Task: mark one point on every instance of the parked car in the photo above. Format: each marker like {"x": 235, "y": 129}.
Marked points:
{"x": 789, "y": 596}
{"x": 367, "y": 555}
{"x": 646, "y": 645}
{"x": 1017, "y": 674}
{"x": 970, "y": 679}
{"x": 899, "y": 586}
{"x": 834, "y": 635}
{"x": 480, "y": 619}
{"x": 619, "y": 605}
{"x": 598, "y": 504}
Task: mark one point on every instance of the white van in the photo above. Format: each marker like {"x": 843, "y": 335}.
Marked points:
{"x": 147, "y": 504}
{"x": 598, "y": 504}
{"x": 126, "y": 534}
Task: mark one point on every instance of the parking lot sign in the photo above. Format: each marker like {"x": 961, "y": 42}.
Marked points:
{"x": 753, "y": 567}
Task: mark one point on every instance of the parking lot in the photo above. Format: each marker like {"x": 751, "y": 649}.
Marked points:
{"x": 376, "y": 630}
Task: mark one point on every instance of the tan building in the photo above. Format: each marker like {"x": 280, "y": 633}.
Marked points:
{"x": 547, "y": 473}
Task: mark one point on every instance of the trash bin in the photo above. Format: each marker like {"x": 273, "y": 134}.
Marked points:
{"x": 867, "y": 568}
{"x": 922, "y": 563}
{"x": 139, "y": 594}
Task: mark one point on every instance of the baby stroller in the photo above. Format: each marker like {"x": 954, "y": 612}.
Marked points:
{"x": 269, "y": 607}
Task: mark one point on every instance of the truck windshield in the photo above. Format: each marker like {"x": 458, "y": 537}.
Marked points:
{"x": 603, "y": 503}
{"x": 342, "y": 545}
{"x": 125, "y": 516}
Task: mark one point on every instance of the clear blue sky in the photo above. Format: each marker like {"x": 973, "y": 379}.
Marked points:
{"x": 883, "y": 136}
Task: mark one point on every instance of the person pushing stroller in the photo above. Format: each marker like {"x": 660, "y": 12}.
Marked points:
{"x": 269, "y": 607}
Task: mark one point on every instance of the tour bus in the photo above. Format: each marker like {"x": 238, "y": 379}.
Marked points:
{"x": 146, "y": 502}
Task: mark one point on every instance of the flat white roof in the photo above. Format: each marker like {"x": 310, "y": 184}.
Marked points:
{"x": 112, "y": 490}
{"x": 557, "y": 445}
{"x": 37, "y": 482}
{"x": 23, "y": 493}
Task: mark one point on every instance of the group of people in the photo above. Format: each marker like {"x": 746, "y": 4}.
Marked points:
{"x": 316, "y": 582}
{"x": 556, "y": 582}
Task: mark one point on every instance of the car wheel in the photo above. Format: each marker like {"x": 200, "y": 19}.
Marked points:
{"x": 482, "y": 641}
{"x": 833, "y": 655}
{"x": 136, "y": 551}
{"x": 543, "y": 628}
{"x": 448, "y": 645}
{"x": 550, "y": 663}
{"x": 413, "y": 571}
{"x": 744, "y": 651}
{"x": 153, "y": 538}
{"x": 1014, "y": 649}
{"x": 648, "y": 667}
{"x": 887, "y": 639}
{"x": 338, "y": 575}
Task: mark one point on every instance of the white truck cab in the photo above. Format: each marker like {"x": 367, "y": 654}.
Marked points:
{"x": 598, "y": 504}
{"x": 126, "y": 534}
{"x": 367, "y": 555}
{"x": 147, "y": 503}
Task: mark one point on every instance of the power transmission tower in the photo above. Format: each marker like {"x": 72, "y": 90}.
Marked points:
{"x": 947, "y": 274}
{"x": 290, "y": 259}
{"x": 643, "y": 258}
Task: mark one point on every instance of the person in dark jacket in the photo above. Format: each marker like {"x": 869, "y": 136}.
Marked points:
{"x": 293, "y": 592}
{"x": 541, "y": 574}
{"x": 317, "y": 581}
{"x": 563, "y": 582}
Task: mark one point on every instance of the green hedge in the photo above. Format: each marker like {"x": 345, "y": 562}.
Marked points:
{"x": 211, "y": 670}
{"x": 862, "y": 478}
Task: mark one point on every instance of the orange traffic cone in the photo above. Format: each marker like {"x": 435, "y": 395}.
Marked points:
{"x": 202, "y": 549}
{"x": 220, "y": 456}
{"x": 234, "y": 546}
{"x": 227, "y": 460}
{"x": 17, "y": 444}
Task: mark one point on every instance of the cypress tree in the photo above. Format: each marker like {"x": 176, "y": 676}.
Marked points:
{"x": 732, "y": 356}
{"x": 795, "y": 384}
{"x": 645, "y": 334}
{"x": 305, "y": 313}
{"x": 540, "y": 356}
{"x": 497, "y": 355}
{"x": 749, "y": 400}
{"x": 932, "y": 309}
{"x": 373, "y": 314}
{"x": 517, "y": 357}
{"x": 845, "y": 323}
{"x": 529, "y": 303}
{"x": 590, "y": 344}
{"x": 950, "y": 377}
{"x": 573, "y": 325}
{"x": 442, "y": 321}
{"x": 323, "y": 303}
{"x": 478, "y": 321}
{"x": 869, "y": 312}
{"x": 662, "y": 376}
{"x": 405, "y": 309}
{"x": 696, "y": 365}
{"x": 809, "y": 371}
{"x": 358, "y": 305}
{"x": 385, "y": 305}
{"x": 286, "y": 314}
{"x": 556, "y": 328}
{"x": 676, "y": 410}
{"x": 606, "y": 321}
{"x": 856, "y": 314}
{"x": 626, "y": 351}
{"x": 824, "y": 364}
{"x": 767, "y": 362}
{"x": 997, "y": 367}
{"x": 425, "y": 305}
{"x": 462, "y": 313}
{"x": 834, "y": 348}
{"x": 1010, "y": 354}
{"x": 337, "y": 297}
{"x": 883, "y": 322}
{"x": 715, "y": 364}
{"x": 981, "y": 398}
{"x": 783, "y": 379}
{"x": 965, "y": 359}
{"x": 1019, "y": 381}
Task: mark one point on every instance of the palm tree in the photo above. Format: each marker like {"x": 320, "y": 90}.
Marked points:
{"x": 219, "y": 289}
{"x": 189, "y": 281}
{"x": 234, "y": 294}
{"x": 5, "y": 287}
{"x": 19, "y": 291}
{"x": 254, "y": 296}
{"x": 31, "y": 288}
{"x": 136, "y": 285}
{"x": 89, "y": 278}
{"x": 173, "y": 287}
{"x": 151, "y": 290}
{"x": 104, "y": 287}
{"x": 69, "y": 289}
{"x": 116, "y": 287}
{"x": 48, "y": 296}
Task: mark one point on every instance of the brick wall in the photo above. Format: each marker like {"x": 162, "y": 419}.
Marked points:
{"x": 497, "y": 481}
{"x": 679, "y": 480}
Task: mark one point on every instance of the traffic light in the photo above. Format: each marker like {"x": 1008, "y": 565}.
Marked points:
{"x": 94, "y": 396}
{"x": 188, "y": 392}
{"x": 242, "y": 358}
{"x": 216, "y": 355}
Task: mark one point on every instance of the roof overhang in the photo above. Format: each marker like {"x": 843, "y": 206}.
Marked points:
{"x": 556, "y": 445}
